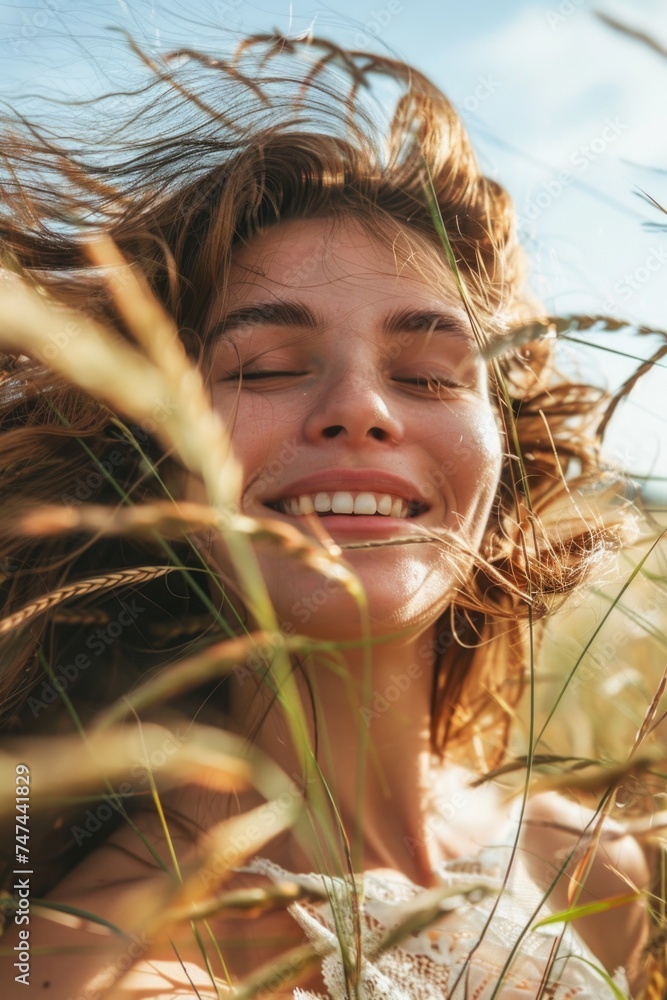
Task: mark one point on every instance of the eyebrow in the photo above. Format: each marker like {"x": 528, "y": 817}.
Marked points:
{"x": 267, "y": 314}
{"x": 296, "y": 314}
{"x": 429, "y": 321}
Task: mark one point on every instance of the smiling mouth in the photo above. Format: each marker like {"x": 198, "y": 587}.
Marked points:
{"x": 357, "y": 503}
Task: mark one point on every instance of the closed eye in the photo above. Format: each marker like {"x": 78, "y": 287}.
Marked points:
{"x": 239, "y": 376}
{"x": 429, "y": 383}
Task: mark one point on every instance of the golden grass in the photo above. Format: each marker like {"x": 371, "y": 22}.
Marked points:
{"x": 608, "y": 733}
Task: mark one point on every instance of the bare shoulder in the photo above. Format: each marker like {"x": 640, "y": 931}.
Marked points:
{"x": 556, "y": 826}
{"x": 570, "y": 852}
{"x": 124, "y": 884}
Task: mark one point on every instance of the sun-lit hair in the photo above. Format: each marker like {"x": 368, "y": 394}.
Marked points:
{"x": 213, "y": 151}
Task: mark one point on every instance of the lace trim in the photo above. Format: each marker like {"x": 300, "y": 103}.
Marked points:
{"x": 459, "y": 957}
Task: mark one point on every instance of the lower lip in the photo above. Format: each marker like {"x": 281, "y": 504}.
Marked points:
{"x": 369, "y": 526}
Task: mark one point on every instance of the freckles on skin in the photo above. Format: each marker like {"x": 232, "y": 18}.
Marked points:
{"x": 350, "y": 393}
{"x": 473, "y": 456}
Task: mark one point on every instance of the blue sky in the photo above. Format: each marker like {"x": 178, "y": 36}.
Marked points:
{"x": 567, "y": 113}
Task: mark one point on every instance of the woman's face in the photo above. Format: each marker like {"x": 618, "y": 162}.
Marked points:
{"x": 360, "y": 408}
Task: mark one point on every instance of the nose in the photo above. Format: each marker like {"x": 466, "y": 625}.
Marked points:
{"x": 354, "y": 408}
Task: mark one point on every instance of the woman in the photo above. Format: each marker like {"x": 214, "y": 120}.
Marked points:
{"x": 342, "y": 285}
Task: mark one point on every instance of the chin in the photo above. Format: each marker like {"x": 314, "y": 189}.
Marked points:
{"x": 404, "y": 592}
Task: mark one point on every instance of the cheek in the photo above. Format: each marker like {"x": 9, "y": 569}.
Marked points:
{"x": 480, "y": 473}
{"x": 482, "y": 450}
{"x": 473, "y": 469}
{"x": 468, "y": 452}
{"x": 266, "y": 439}
{"x": 254, "y": 424}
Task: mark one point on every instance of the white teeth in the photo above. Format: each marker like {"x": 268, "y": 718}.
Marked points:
{"x": 345, "y": 502}
{"x": 397, "y": 507}
{"x": 384, "y": 505}
{"x": 365, "y": 503}
{"x": 342, "y": 503}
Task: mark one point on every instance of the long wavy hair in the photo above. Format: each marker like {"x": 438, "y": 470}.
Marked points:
{"x": 216, "y": 151}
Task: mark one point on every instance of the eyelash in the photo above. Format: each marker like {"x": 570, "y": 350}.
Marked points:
{"x": 257, "y": 376}
{"x": 426, "y": 383}
{"x": 431, "y": 383}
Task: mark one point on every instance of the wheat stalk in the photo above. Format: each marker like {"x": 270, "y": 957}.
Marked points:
{"x": 107, "y": 581}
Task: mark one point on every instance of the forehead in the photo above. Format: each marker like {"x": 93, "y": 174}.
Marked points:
{"x": 310, "y": 254}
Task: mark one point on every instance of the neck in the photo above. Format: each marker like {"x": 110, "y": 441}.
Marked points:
{"x": 370, "y": 722}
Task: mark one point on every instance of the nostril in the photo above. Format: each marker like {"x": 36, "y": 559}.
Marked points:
{"x": 333, "y": 431}
{"x": 378, "y": 433}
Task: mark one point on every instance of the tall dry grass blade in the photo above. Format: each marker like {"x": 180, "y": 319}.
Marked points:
{"x": 588, "y": 909}
{"x": 112, "y": 754}
{"x": 281, "y": 974}
{"x": 618, "y": 993}
{"x": 539, "y": 760}
{"x": 428, "y": 907}
{"x": 550, "y": 327}
{"x": 520, "y": 485}
{"x": 161, "y": 517}
{"x": 219, "y": 852}
{"x": 215, "y": 661}
{"x": 93, "y": 584}
{"x": 142, "y": 313}
{"x": 628, "y": 385}
{"x": 117, "y": 372}
{"x": 649, "y": 721}
{"x": 69, "y": 916}
{"x": 248, "y": 903}
{"x": 632, "y": 576}
{"x": 602, "y": 777}
{"x": 171, "y": 520}
{"x": 109, "y": 368}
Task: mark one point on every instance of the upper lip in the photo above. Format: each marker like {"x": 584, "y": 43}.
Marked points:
{"x": 350, "y": 480}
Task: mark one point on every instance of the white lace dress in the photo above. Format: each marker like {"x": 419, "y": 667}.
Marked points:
{"x": 464, "y": 955}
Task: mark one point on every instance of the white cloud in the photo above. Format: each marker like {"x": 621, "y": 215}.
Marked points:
{"x": 562, "y": 81}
